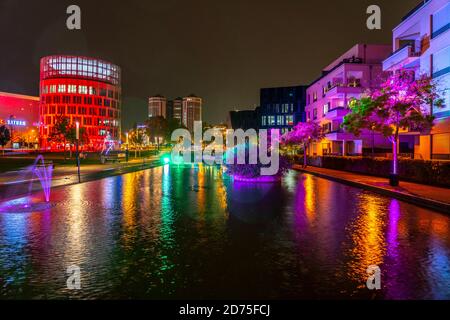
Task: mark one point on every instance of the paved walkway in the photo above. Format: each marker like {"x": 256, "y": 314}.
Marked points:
{"x": 435, "y": 198}
{"x": 16, "y": 183}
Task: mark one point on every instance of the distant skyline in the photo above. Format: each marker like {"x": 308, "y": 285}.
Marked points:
{"x": 222, "y": 51}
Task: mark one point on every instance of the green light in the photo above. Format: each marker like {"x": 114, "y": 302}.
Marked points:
{"x": 166, "y": 160}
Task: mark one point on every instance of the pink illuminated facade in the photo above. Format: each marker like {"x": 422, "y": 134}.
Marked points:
{"x": 421, "y": 43}
{"x": 348, "y": 77}
{"x": 20, "y": 114}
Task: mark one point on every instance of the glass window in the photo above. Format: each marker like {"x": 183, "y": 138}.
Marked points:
{"x": 83, "y": 89}
{"x": 441, "y": 62}
{"x": 290, "y": 120}
{"x": 62, "y": 88}
{"x": 280, "y": 120}
{"x": 326, "y": 108}
{"x": 72, "y": 88}
{"x": 441, "y": 20}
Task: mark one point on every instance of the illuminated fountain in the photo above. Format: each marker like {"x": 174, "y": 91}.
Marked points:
{"x": 30, "y": 203}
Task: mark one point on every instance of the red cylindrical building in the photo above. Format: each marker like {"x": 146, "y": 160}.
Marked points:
{"x": 86, "y": 90}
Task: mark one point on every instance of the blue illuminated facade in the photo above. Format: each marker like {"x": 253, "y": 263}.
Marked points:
{"x": 282, "y": 108}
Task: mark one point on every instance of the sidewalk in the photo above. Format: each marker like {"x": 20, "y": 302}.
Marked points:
{"x": 435, "y": 198}
{"x": 16, "y": 183}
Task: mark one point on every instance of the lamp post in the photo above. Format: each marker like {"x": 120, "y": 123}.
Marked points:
{"x": 77, "y": 142}
{"x": 126, "y": 150}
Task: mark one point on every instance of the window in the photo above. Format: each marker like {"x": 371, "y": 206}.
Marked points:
{"x": 441, "y": 21}
{"x": 77, "y": 99}
{"x": 53, "y": 88}
{"x": 107, "y": 103}
{"x": 326, "y": 108}
{"x": 83, "y": 90}
{"x": 280, "y": 120}
{"x": 290, "y": 120}
{"x": 315, "y": 114}
{"x": 263, "y": 120}
{"x": 271, "y": 120}
{"x": 315, "y": 96}
{"x": 441, "y": 62}
{"x": 62, "y": 88}
{"x": 103, "y": 92}
{"x": 66, "y": 99}
{"x": 72, "y": 88}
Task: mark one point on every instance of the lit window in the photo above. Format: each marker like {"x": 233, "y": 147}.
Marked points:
{"x": 53, "y": 88}
{"x": 62, "y": 88}
{"x": 326, "y": 108}
{"x": 72, "y": 88}
{"x": 263, "y": 120}
{"x": 290, "y": 120}
{"x": 82, "y": 89}
{"x": 280, "y": 120}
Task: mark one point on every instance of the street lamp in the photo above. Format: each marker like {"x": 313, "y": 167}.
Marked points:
{"x": 126, "y": 150}
{"x": 77, "y": 141}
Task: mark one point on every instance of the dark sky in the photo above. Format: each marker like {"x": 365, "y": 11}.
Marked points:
{"x": 221, "y": 50}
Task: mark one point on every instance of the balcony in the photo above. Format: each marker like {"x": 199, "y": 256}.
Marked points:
{"x": 401, "y": 58}
{"x": 336, "y": 113}
{"x": 352, "y": 87}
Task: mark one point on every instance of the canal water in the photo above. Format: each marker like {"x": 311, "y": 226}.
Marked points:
{"x": 191, "y": 233}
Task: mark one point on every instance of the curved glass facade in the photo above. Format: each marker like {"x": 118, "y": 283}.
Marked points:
{"x": 84, "y": 90}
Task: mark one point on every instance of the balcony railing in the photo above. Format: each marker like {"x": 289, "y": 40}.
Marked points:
{"x": 404, "y": 55}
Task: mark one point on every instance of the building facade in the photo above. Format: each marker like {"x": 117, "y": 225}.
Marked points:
{"x": 157, "y": 107}
{"x": 328, "y": 97}
{"x": 282, "y": 108}
{"x": 421, "y": 43}
{"x": 84, "y": 90}
{"x": 192, "y": 111}
{"x": 244, "y": 119}
{"x": 175, "y": 110}
{"x": 20, "y": 114}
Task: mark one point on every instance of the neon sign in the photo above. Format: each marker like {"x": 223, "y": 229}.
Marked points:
{"x": 20, "y": 123}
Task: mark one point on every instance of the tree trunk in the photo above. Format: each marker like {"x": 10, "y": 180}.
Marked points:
{"x": 305, "y": 156}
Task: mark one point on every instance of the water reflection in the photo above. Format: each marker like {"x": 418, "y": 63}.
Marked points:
{"x": 191, "y": 232}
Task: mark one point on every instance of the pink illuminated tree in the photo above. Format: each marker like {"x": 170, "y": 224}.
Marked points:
{"x": 401, "y": 103}
{"x": 303, "y": 135}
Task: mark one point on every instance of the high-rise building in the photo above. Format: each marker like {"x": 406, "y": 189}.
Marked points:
{"x": 282, "y": 108}
{"x": 175, "y": 110}
{"x": 192, "y": 111}
{"x": 157, "y": 106}
{"x": 421, "y": 43}
{"x": 84, "y": 90}
{"x": 328, "y": 99}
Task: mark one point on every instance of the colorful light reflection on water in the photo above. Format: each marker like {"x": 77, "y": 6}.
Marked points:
{"x": 190, "y": 232}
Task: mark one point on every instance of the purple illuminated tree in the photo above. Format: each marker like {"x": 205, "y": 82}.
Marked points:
{"x": 303, "y": 135}
{"x": 401, "y": 103}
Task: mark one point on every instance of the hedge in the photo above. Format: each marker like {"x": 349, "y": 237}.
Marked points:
{"x": 421, "y": 171}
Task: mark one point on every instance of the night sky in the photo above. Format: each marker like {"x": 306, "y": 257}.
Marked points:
{"x": 221, "y": 50}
